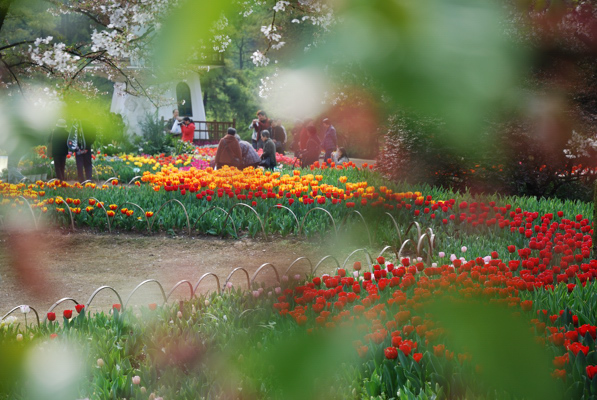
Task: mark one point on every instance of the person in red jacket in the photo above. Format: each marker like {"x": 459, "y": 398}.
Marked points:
{"x": 188, "y": 130}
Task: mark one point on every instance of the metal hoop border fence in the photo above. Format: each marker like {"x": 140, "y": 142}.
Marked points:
{"x": 417, "y": 243}
{"x": 221, "y": 289}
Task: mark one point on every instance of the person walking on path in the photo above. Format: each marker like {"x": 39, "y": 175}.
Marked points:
{"x": 229, "y": 152}
{"x": 268, "y": 158}
{"x": 83, "y": 154}
{"x": 330, "y": 140}
{"x": 58, "y": 148}
{"x": 259, "y": 125}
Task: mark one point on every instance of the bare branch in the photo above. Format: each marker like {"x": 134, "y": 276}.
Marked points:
{"x": 16, "y": 44}
{"x": 270, "y": 41}
{"x": 91, "y": 59}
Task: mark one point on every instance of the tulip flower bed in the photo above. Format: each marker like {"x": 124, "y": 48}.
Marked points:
{"x": 386, "y": 332}
{"x": 155, "y": 204}
{"x": 506, "y": 309}
{"x": 126, "y": 166}
{"x": 200, "y": 190}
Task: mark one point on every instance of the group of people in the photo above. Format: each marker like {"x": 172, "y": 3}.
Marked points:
{"x": 269, "y": 135}
{"x": 275, "y": 129}
{"x": 235, "y": 152}
{"x": 307, "y": 145}
{"x": 181, "y": 126}
{"x": 79, "y": 138}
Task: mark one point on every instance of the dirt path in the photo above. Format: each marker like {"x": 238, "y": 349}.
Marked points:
{"x": 40, "y": 268}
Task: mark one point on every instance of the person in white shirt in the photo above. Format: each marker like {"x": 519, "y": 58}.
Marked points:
{"x": 174, "y": 124}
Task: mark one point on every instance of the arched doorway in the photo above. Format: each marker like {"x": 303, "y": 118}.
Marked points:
{"x": 183, "y": 98}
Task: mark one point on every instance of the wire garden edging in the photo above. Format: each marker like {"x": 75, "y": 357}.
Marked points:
{"x": 250, "y": 280}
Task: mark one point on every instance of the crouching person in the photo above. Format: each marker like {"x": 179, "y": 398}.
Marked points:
{"x": 268, "y": 158}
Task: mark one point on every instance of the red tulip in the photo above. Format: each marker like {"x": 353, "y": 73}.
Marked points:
{"x": 116, "y": 306}
{"x": 405, "y": 348}
{"x": 51, "y": 316}
{"x": 391, "y": 353}
{"x": 559, "y": 374}
{"x": 526, "y": 305}
{"x": 417, "y": 356}
{"x": 153, "y": 306}
{"x": 591, "y": 371}
{"x": 576, "y": 347}
{"x": 559, "y": 362}
{"x": 68, "y": 314}
{"x": 79, "y": 308}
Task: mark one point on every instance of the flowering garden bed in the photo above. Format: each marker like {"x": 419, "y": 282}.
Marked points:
{"x": 503, "y": 305}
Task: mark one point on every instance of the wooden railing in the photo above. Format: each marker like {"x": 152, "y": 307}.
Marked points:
{"x": 212, "y": 131}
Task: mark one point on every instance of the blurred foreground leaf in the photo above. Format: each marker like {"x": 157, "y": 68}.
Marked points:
{"x": 300, "y": 365}
{"x": 186, "y": 30}
{"x": 11, "y": 365}
{"x": 442, "y": 58}
{"x": 502, "y": 345}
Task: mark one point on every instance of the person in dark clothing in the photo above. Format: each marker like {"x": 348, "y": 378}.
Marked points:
{"x": 59, "y": 150}
{"x": 259, "y": 125}
{"x": 279, "y": 136}
{"x": 310, "y": 153}
{"x": 330, "y": 140}
{"x": 83, "y": 156}
{"x": 268, "y": 158}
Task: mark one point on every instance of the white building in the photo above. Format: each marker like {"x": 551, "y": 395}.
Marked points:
{"x": 186, "y": 96}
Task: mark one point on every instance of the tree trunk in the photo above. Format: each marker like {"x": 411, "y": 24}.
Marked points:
{"x": 4, "y": 6}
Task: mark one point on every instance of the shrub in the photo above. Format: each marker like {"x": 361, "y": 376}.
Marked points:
{"x": 509, "y": 159}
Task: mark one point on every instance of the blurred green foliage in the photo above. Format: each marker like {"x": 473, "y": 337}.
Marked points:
{"x": 508, "y": 357}
{"x": 442, "y": 59}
